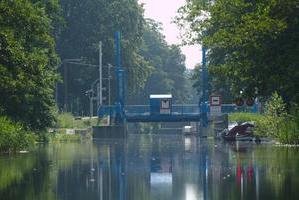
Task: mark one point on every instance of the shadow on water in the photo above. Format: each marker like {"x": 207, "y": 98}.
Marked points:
{"x": 152, "y": 167}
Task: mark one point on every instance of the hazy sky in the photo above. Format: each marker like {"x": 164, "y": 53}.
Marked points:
{"x": 164, "y": 11}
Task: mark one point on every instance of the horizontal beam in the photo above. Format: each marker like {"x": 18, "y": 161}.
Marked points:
{"x": 164, "y": 118}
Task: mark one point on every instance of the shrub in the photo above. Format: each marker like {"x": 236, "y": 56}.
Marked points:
{"x": 276, "y": 122}
{"x": 13, "y": 136}
{"x": 65, "y": 120}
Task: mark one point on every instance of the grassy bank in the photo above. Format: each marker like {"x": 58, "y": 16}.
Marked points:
{"x": 62, "y": 137}
{"x": 284, "y": 129}
{"x": 13, "y": 136}
{"x": 67, "y": 120}
{"x": 278, "y": 122}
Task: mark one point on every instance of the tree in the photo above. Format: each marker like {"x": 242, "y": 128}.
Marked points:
{"x": 218, "y": 84}
{"x": 27, "y": 63}
{"x": 253, "y": 44}
{"x": 90, "y": 21}
{"x": 167, "y": 63}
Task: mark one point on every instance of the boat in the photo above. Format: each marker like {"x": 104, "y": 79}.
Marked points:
{"x": 242, "y": 132}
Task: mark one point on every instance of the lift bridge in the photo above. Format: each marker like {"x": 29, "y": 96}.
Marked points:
{"x": 160, "y": 108}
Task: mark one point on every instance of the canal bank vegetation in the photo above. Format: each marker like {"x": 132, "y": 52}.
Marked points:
{"x": 276, "y": 122}
{"x": 251, "y": 53}
{"x": 36, "y": 37}
{"x": 13, "y": 136}
{"x": 67, "y": 120}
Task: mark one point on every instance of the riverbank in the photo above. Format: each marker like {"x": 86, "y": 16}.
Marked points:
{"x": 14, "y": 137}
{"x": 283, "y": 129}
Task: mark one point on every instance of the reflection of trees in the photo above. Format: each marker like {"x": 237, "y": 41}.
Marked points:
{"x": 10, "y": 170}
{"x": 32, "y": 180}
{"x": 117, "y": 169}
{"x": 34, "y": 175}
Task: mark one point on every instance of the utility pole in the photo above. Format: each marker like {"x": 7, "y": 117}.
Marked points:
{"x": 100, "y": 84}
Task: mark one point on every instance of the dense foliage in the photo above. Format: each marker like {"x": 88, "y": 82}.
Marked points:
{"x": 275, "y": 123}
{"x": 217, "y": 84}
{"x": 253, "y": 44}
{"x": 167, "y": 66}
{"x": 86, "y": 24}
{"x": 27, "y": 62}
{"x": 13, "y": 137}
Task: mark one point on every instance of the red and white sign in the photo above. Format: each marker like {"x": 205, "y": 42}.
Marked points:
{"x": 215, "y": 105}
{"x": 215, "y": 100}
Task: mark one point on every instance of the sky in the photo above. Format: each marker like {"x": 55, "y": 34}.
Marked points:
{"x": 164, "y": 11}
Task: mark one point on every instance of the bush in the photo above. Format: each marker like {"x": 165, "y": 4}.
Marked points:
{"x": 65, "y": 120}
{"x": 276, "y": 122}
{"x": 13, "y": 136}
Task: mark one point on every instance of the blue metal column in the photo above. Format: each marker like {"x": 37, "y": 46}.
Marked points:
{"x": 205, "y": 96}
{"x": 119, "y": 74}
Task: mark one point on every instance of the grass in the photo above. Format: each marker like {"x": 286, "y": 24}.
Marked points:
{"x": 67, "y": 120}
{"x": 243, "y": 117}
{"x": 58, "y": 137}
{"x": 283, "y": 129}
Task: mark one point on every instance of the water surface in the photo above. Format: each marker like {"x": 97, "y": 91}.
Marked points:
{"x": 157, "y": 167}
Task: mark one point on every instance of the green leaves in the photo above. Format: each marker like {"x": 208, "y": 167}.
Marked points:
{"x": 252, "y": 42}
{"x": 27, "y": 63}
{"x": 166, "y": 64}
{"x": 87, "y": 23}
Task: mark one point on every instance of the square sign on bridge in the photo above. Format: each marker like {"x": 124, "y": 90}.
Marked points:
{"x": 160, "y": 104}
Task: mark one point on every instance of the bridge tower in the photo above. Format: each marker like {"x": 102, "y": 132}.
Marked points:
{"x": 203, "y": 102}
{"x": 119, "y": 74}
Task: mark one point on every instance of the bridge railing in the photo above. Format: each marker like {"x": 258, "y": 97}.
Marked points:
{"x": 137, "y": 109}
{"x": 176, "y": 109}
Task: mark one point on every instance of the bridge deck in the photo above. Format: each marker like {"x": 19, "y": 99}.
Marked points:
{"x": 179, "y": 113}
{"x": 163, "y": 118}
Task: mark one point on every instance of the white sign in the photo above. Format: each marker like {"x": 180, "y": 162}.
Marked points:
{"x": 165, "y": 104}
{"x": 215, "y": 101}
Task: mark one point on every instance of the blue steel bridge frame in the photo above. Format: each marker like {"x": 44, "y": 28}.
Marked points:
{"x": 121, "y": 113}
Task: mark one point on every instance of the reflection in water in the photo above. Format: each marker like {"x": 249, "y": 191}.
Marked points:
{"x": 147, "y": 167}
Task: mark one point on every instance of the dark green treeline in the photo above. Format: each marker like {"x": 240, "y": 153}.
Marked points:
{"x": 253, "y": 44}
{"x": 41, "y": 39}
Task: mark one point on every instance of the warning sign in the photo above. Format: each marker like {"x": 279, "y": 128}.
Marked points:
{"x": 215, "y": 100}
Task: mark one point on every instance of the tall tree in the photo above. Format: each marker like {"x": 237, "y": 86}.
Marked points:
{"x": 90, "y": 21}
{"x": 168, "y": 66}
{"x": 253, "y": 43}
{"x": 27, "y": 63}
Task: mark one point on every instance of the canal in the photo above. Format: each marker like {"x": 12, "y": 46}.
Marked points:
{"x": 151, "y": 167}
